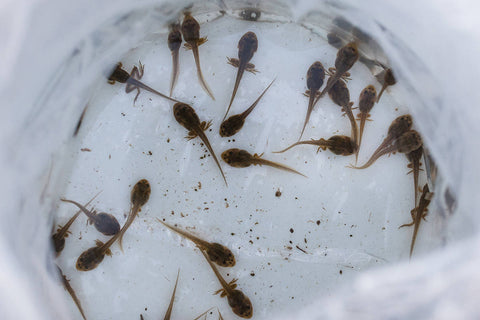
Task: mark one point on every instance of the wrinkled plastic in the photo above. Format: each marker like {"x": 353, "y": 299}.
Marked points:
{"x": 432, "y": 46}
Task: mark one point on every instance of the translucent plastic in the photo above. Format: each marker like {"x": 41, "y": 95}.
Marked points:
{"x": 434, "y": 55}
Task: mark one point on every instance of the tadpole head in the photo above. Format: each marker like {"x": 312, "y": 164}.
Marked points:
{"x": 190, "y": 28}
{"x": 400, "y": 125}
{"x": 247, "y": 46}
{"x": 141, "y": 193}
{"x": 315, "y": 76}
{"x": 107, "y": 224}
{"x": 346, "y": 56}
{"x": 221, "y": 255}
{"x": 240, "y": 304}
{"x": 231, "y": 126}
{"x": 58, "y": 244}
{"x": 90, "y": 259}
{"x": 409, "y": 141}
{"x": 174, "y": 38}
{"x": 389, "y": 78}
{"x": 342, "y": 145}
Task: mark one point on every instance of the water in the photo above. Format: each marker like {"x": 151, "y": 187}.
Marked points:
{"x": 317, "y": 235}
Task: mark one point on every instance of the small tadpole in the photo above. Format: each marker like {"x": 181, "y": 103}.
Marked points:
{"x": 250, "y": 14}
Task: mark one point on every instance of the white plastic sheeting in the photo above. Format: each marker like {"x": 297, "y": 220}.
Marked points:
{"x": 432, "y": 46}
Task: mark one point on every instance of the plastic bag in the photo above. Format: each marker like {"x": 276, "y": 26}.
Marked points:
{"x": 432, "y": 46}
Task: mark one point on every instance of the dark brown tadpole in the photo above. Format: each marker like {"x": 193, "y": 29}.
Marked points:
{"x": 174, "y": 44}
{"x": 406, "y": 143}
{"x": 138, "y": 198}
{"x": 341, "y": 96}
{"x": 247, "y": 46}
{"x": 338, "y": 144}
{"x": 68, "y": 287}
{"x": 58, "y": 237}
{"x": 188, "y": 118}
{"x": 315, "y": 78}
{"x": 191, "y": 35}
{"x": 105, "y": 223}
{"x": 418, "y": 214}
{"x": 386, "y": 78}
{"x": 216, "y": 252}
{"x": 365, "y": 104}
{"x": 398, "y": 127}
{"x": 132, "y": 80}
{"x": 234, "y": 123}
{"x": 237, "y": 300}
{"x": 238, "y": 158}
{"x": 346, "y": 58}
{"x": 92, "y": 257}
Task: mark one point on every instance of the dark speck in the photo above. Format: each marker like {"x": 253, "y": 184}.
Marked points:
{"x": 291, "y": 230}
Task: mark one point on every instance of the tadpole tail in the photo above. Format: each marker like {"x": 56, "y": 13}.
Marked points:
{"x": 353, "y": 123}
{"x": 250, "y": 109}
{"x": 175, "y": 69}
{"x": 120, "y": 235}
{"x": 72, "y": 219}
{"x": 377, "y": 154}
{"x": 168, "y": 314}
{"x": 314, "y": 142}
{"x": 141, "y": 85}
{"x": 381, "y": 92}
{"x": 204, "y": 84}
{"x": 204, "y": 138}
{"x": 240, "y": 71}
{"x": 420, "y": 209}
{"x": 82, "y": 208}
{"x": 311, "y": 104}
{"x": 199, "y": 242}
{"x": 385, "y": 143}
{"x": 64, "y": 229}
{"x": 277, "y": 166}
{"x": 330, "y": 82}
{"x": 70, "y": 290}
{"x": 222, "y": 281}
{"x": 415, "y": 182}
{"x": 363, "y": 119}
{"x": 415, "y": 229}
{"x": 131, "y": 216}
